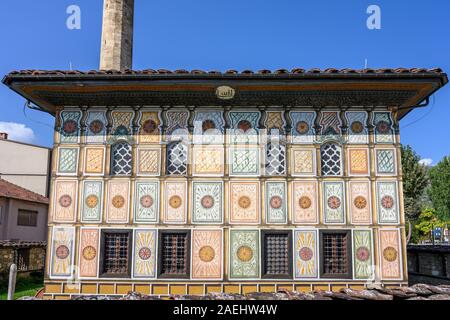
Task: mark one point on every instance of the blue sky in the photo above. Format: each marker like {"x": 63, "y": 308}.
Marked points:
{"x": 220, "y": 35}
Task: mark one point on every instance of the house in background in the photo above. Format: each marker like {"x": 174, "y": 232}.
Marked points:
{"x": 25, "y": 165}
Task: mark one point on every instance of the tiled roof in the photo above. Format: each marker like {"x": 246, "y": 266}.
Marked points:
{"x": 229, "y": 72}
{"x": 10, "y": 190}
{"x": 22, "y": 243}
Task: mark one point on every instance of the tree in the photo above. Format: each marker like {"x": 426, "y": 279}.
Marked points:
{"x": 428, "y": 220}
{"x": 439, "y": 191}
{"x": 415, "y": 181}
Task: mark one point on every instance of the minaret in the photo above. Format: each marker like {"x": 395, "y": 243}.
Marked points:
{"x": 117, "y": 35}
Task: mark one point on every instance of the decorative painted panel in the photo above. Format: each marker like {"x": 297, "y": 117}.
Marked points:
{"x": 175, "y": 203}
{"x": 244, "y": 202}
{"x": 360, "y": 202}
{"x": 122, "y": 124}
{"x": 68, "y": 161}
{"x": 386, "y": 160}
{"x": 207, "y": 254}
{"x": 275, "y": 123}
{"x": 70, "y": 126}
{"x": 330, "y": 123}
{"x": 276, "y": 199}
{"x": 177, "y": 125}
{"x": 94, "y": 161}
{"x": 387, "y": 202}
{"x": 303, "y": 162}
{"x": 62, "y": 252}
{"x": 303, "y": 127}
{"x": 89, "y": 253}
{"x": 96, "y": 123}
{"x": 150, "y": 127}
{"x": 149, "y": 161}
{"x": 208, "y": 161}
{"x": 275, "y": 163}
{"x": 177, "y": 154}
{"x": 305, "y": 203}
{"x": 363, "y": 266}
{"x": 244, "y": 161}
{"x": 121, "y": 159}
{"x": 207, "y": 202}
{"x": 305, "y": 254}
{"x": 92, "y": 205}
{"x": 358, "y": 159}
{"x": 146, "y": 202}
{"x": 357, "y": 129}
{"x": 118, "y": 201}
{"x": 390, "y": 254}
{"x": 331, "y": 159}
{"x": 384, "y": 133}
{"x": 244, "y": 127}
{"x": 334, "y": 202}
{"x": 144, "y": 253}
{"x": 208, "y": 127}
{"x": 244, "y": 254}
{"x": 65, "y": 201}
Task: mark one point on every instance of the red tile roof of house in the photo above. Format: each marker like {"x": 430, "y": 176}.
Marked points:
{"x": 10, "y": 190}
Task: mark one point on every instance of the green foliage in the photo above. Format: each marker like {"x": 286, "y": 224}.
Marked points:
{"x": 439, "y": 191}
{"x": 415, "y": 181}
{"x": 428, "y": 220}
{"x": 25, "y": 286}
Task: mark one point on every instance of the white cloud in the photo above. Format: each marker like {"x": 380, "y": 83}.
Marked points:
{"x": 426, "y": 162}
{"x": 17, "y": 131}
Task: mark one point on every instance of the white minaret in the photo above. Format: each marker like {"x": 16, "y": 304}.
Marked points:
{"x": 117, "y": 35}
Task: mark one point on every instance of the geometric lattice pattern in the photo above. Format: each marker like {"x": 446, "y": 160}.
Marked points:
{"x": 68, "y": 160}
{"x": 331, "y": 159}
{"x": 149, "y": 161}
{"x": 244, "y": 161}
{"x": 275, "y": 159}
{"x": 122, "y": 159}
{"x": 177, "y": 158}
{"x": 358, "y": 159}
{"x": 385, "y": 161}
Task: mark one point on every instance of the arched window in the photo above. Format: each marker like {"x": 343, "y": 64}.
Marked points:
{"x": 275, "y": 159}
{"x": 331, "y": 159}
{"x": 121, "y": 159}
{"x": 177, "y": 158}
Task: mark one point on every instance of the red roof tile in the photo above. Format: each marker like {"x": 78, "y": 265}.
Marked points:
{"x": 10, "y": 190}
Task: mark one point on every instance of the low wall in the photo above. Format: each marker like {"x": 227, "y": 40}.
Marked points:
{"x": 429, "y": 264}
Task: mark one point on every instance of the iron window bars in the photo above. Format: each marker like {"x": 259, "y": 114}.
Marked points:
{"x": 335, "y": 253}
{"x": 276, "y": 254}
{"x": 116, "y": 253}
{"x": 174, "y": 254}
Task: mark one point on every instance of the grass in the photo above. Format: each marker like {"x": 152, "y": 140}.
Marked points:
{"x": 24, "y": 286}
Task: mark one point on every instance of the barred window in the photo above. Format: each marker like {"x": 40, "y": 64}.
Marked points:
{"x": 277, "y": 259}
{"x": 336, "y": 254}
{"x": 116, "y": 253}
{"x": 27, "y": 218}
{"x": 121, "y": 158}
{"x": 275, "y": 159}
{"x": 176, "y": 158}
{"x": 174, "y": 254}
{"x": 331, "y": 159}
{"x": 22, "y": 259}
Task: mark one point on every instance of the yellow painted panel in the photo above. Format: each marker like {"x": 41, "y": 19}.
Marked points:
{"x": 124, "y": 288}
{"x": 47, "y": 297}
{"x": 53, "y": 288}
{"x": 302, "y": 288}
{"x": 177, "y": 289}
{"x": 142, "y": 288}
{"x": 71, "y": 288}
{"x": 212, "y": 288}
{"x": 193, "y": 289}
{"x": 160, "y": 289}
{"x": 287, "y": 287}
{"x": 320, "y": 287}
{"x": 89, "y": 288}
{"x": 231, "y": 289}
{"x": 357, "y": 286}
{"x": 249, "y": 288}
{"x": 106, "y": 288}
{"x": 267, "y": 288}
{"x": 61, "y": 297}
{"x": 337, "y": 287}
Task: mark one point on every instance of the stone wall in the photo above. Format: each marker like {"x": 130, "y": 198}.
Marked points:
{"x": 429, "y": 264}
{"x": 35, "y": 262}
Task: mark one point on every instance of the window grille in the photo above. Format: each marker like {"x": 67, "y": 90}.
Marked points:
{"x": 22, "y": 259}
{"x": 275, "y": 159}
{"x": 176, "y": 159}
{"x": 174, "y": 255}
{"x": 122, "y": 159}
{"x": 336, "y": 254}
{"x": 116, "y": 253}
{"x": 27, "y": 218}
{"x": 331, "y": 159}
{"x": 277, "y": 259}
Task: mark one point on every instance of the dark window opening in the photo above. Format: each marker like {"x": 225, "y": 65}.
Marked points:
{"x": 277, "y": 257}
{"x": 22, "y": 259}
{"x": 336, "y": 254}
{"x": 174, "y": 254}
{"x": 116, "y": 253}
{"x": 27, "y": 218}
